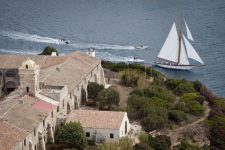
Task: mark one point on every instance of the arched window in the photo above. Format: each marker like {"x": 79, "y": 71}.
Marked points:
{"x": 26, "y": 66}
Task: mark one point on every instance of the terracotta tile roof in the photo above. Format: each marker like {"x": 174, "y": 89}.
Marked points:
{"x": 97, "y": 119}
{"x": 71, "y": 72}
{"x": 14, "y": 61}
{"x": 23, "y": 112}
{"x": 44, "y": 106}
{"x": 10, "y": 136}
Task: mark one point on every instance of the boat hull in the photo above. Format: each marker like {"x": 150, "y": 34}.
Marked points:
{"x": 176, "y": 67}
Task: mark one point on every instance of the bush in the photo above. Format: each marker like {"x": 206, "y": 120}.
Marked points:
{"x": 93, "y": 89}
{"x": 154, "y": 118}
{"x": 195, "y": 108}
{"x": 48, "y": 51}
{"x": 129, "y": 77}
{"x": 172, "y": 83}
{"x": 181, "y": 106}
{"x": 184, "y": 145}
{"x": 107, "y": 98}
{"x": 72, "y": 134}
{"x": 124, "y": 143}
{"x": 188, "y": 97}
{"x": 184, "y": 88}
{"x": 177, "y": 116}
{"x": 160, "y": 142}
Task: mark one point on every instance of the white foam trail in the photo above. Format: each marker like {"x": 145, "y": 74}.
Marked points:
{"x": 102, "y": 46}
{"x": 110, "y": 57}
{"x": 20, "y": 52}
{"x": 30, "y": 37}
{"x": 40, "y": 39}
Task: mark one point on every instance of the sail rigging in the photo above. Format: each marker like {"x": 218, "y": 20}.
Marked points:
{"x": 171, "y": 44}
{"x": 191, "y": 52}
{"x": 189, "y": 35}
{"x": 177, "y": 50}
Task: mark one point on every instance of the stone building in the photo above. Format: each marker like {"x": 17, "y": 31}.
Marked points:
{"x": 42, "y": 91}
{"x": 101, "y": 126}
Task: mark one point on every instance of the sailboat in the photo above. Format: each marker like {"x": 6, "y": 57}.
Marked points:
{"x": 177, "y": 50}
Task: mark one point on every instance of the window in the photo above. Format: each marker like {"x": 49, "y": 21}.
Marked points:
{"x": 125, "y": 127}
{"x": 52, "y": 114}
{"x": 70, "y": 95}
{"x": 63, "y": 103}
{"x": 87, "y": 134}
{"x": 57, "y": 108}
{"x": 34, "y": 131}
{"x": 78, "y": 88}
{"x": 43, "y": 123}
{"x": 35, "y": 147}
{"x": 24, "y": 142}
{"x": 26, "y": 66}
{"x": 28, "y": 89}
{"x": 111, "y": 135}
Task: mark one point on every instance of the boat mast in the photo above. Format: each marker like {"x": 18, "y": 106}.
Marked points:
{"x": 179, "y": 47}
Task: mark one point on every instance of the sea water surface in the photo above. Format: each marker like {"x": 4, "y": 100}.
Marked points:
{"x": 114, "y": 27}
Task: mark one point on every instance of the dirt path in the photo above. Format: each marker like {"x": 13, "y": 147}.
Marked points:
{"x": 176, "y": 133}
{"x": 123, "y": 92}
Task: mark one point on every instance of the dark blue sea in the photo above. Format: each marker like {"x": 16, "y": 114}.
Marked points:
{"x": 114, "y": 27}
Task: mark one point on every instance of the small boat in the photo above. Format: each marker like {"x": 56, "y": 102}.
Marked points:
{"x": 65, "y": 41}
{"x": 177, "y": 50}
{"x": 141, "y": 47}
{"x": 135, "y": 59}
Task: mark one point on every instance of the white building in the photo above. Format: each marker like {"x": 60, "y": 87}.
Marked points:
{"x": 101, "y": 126}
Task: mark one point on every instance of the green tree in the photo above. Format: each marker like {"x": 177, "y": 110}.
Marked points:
{"x": 93, "y": 89}
{"x": 195, "y": 108}
{"x": 107, "y": 98}
{"x": 188, "y": 97}
{"x": 48, "y": 51}
{"x": 72, "y": 134}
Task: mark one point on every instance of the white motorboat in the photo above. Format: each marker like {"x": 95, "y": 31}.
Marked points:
{"x": 141, "y": 47}
{"x": 135, "y": 59}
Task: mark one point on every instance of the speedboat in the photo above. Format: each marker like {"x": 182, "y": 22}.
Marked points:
{"x": 135, "y": 59}
{"x": 65, "y": 41}
{"x": 141, "y": 47}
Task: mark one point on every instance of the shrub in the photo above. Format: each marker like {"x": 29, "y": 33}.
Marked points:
{"x": 72, "y": 134}
{"x": 160, "y": 142}
{"x": 184, "y": 88}
{"x": 134, "y": 104}
{"x": 195, "y": 108}
{"x": 181, "y": 106}
{"x": 107, "y": 98}
{"x": 93, "y": 89}
{"x": 124, "y": 143}
{"x": 188, "y": 97}
{"x": 172, "y": 83}
{"x": 177, "y": 116}
{"x": 129, "y": 77}
{"x": 154, "y": 118}
{"x": 48, "y": 51}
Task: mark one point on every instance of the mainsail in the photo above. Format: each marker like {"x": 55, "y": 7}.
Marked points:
{"x": 169, "y": 50}
{"x": 189, "y": 35}
{"x": 191, "y": 52}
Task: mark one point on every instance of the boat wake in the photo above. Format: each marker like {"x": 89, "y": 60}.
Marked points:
{"x": 40, "y": 39}
{"x": 110, "y": 57}
{"x": 30, "y": 37}
{"x": 19, "y": 52}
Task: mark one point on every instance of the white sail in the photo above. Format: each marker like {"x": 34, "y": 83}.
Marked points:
{"x": 169, "y": 50}
{"x": 191, "y": 52}
{"x": 183, "y": 55}
{"x": 189, "y": 35}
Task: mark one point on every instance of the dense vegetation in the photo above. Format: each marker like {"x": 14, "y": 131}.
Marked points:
{"x": 72, "y": 135}
{"x": 165, "y": 102}
{"x": 124, "y": 143}
{"x": 48, "y": 51}
{"x": 104, "y": 99}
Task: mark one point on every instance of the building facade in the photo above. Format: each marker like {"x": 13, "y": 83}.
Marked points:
{"x": 101, "y": 126}
{"x": 42, "y": 90}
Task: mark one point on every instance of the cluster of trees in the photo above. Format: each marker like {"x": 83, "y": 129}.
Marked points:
{"x": 216, "y": 124}
{"x": 105, "y": 99}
